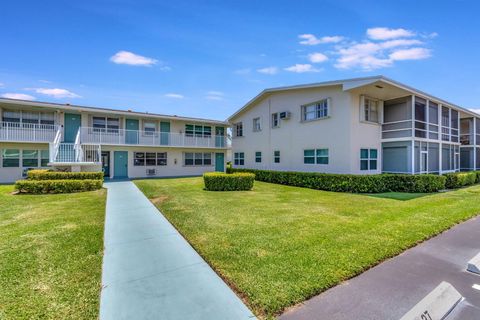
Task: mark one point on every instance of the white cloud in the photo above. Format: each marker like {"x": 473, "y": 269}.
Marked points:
{"x": 2, "y": 84}
{"x": 317, "y": 57}
{"x": 174, "y": 95}
{"x": 410, "y": 54}
{"x": 387, "y": 33}
{"x": 268, "y": 70}
{"x": 20, "y": 96}
{"x": 311, "y": 40}
{"x": 56, "y": 93}
{"x": 214, "y": 95}
{"x": 302, "y": 68}
{"x": 130, "y": 58}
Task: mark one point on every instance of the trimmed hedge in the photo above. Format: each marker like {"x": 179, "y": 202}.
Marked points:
{"x": 460, "y": 179}
{"x": 57, "y": 186}
{"x": 219, "y": 181}
{"x": 59, "y": 175}
{"x": 378, "y": 183}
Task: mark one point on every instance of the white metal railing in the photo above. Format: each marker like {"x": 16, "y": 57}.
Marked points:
{"x": 27, "y": 132}
{"x": 54, "y": 146}
{"x": 135, "y": 137}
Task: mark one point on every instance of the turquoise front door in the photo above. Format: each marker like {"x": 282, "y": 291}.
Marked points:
{"x": 219, "y": 137}
{"x": 70, "y": 127}
{"x": 219, "y": 162}
{"x": 164, "y": 133}
{"x": 131, "y": 136}
{"x": 120, "y": 164}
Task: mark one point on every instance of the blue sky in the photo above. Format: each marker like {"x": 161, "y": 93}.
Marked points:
{"x": 207, "y": 58}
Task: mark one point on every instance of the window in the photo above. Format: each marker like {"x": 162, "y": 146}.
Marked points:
{"x": 238, "y": 129}
{"x": 317, "y": 110}
{"x": 105, "y": 124}
{"x": 149, "y": 127}
{"x": 275, "y": 120}
{"x": 44, "y": 158}
{"x": 315, "y": 156}
{"x": 256, "y": 125}
{"x": 198, "y": 131}
{"x": 368, "y": 159}
{"x": 258, "y": 156}
{"x": 150, "y": 158}
{"x": 139, "y": 158}
{"x": 11, "y": 158}
{"x": 197, "y": 159}
{"x": 29, "y": 158}
{"x": 276, "y": 156}
{"x": 370, "y": 109}
{"x": 161, "y": 158}
{"x": 239, "y": 158}
{"x": 29, "y": 117}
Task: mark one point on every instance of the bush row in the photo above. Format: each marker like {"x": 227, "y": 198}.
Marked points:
{"x": 218, "y": 181}
{"x": 57, "y": 186}
{"x": 461, "y": 179}
{"x": 59, "y": 175}
{"x": 351, "y": 183}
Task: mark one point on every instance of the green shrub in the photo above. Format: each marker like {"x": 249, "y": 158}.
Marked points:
{"x": 57, "y": 186}
{"x": 219, "y": 181}
{"x": 59, "y": 175}
{"x": 456, "y": 180}
{"x": 351, "y": 183}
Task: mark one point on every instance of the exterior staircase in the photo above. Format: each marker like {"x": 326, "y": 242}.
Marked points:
{"x": 66, "y": 153}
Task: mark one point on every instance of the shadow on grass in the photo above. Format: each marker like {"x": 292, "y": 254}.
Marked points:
{"x": 402, "y": 196}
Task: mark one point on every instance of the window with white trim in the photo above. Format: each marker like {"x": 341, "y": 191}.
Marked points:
{"x": 198, "y": 130}
{"x": 257, "y": 125}
{"x": 368, "y": 159}
{"x": 315, "y": 156}
{"x": 370, "y": 109}
{"x": 11, "y": 158}
{"x": 239, "y": 158}
{"x": 238, "y": 129}
{"x": 275, "y": 120}
{"x": 149, "y": 127}
{"x": 29, "y": 117}
{"x": 258, "y": 156}
{"x": 317, "y": 110}
{"x": 197, "y": 158}
{"x": 149, "y": 159}
{"x": 105, "y": 124}
{"x": 276, "y": 156}
{"x": 29, "y": 158}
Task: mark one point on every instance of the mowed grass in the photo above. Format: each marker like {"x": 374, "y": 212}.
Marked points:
{"x": 279, "y": 245}
{"x": 51, "y": 249}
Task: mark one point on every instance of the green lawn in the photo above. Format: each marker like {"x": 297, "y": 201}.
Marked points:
{"x": 51, "y": 249}
{"x": 279, "y": 245}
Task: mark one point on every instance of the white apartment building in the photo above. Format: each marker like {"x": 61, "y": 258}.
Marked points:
{"x": 358, "y": 126}
{"x": 124, "y": 144}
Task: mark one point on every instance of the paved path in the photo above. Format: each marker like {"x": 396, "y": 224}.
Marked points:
{"x": 392, "y": 288}
{"x": 151, "y": 272}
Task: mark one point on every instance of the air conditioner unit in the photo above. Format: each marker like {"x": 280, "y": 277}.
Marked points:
{"x": 285, "y": 115}
{"x": 151, "y": 172}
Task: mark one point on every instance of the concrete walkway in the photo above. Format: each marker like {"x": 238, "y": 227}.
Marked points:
{"x": 392, "y": 288}
{"x": 151, "y": 272}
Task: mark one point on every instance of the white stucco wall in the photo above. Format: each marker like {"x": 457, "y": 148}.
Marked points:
{"x": 11, "y": 174}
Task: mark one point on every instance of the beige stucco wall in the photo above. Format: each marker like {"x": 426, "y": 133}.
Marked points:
{"x": 294, "y": 136}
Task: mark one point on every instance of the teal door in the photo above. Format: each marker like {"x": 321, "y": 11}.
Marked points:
{"x": 71, "y": 125}
{"x": 219, "y": 162}
{"x": 164, "y": 133}
{"x": 219, "y": 137}
{"x": 131, "y": 136}
{"x": 120, "y": 164}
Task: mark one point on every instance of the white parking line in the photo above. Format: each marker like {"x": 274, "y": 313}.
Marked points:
{"x": 476, "y": 286}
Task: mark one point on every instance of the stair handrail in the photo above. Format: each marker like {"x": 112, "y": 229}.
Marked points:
{"x": 55, "y": 145}
{"x": 78, "y": 148}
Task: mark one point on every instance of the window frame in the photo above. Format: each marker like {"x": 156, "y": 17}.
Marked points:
{"x": 275, "y": 120}
{"x": 239, "y": 158}
{"x": 257, "y": 125}
{"x": 197, "y": 159}
{"x": 366, "y": 109}
{"x": 322, "y": 110}
{"x": 276, "y": 156}
{"x": 315, "y": 155}
{"x": 238, "y": 129}
{"x": 33, "y": 159}
{"x": 258, "y": 156}
{"x": 15, "y": 160}
{"x": 369, "y": 159}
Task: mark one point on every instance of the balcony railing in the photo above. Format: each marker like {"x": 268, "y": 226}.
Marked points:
{"x": 145, "y": 138}
{"x": 27, "y": 132}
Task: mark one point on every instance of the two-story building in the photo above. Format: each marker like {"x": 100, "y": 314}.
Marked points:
{"x": 124, "y": 144}
{"x": 358, "y": 126}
